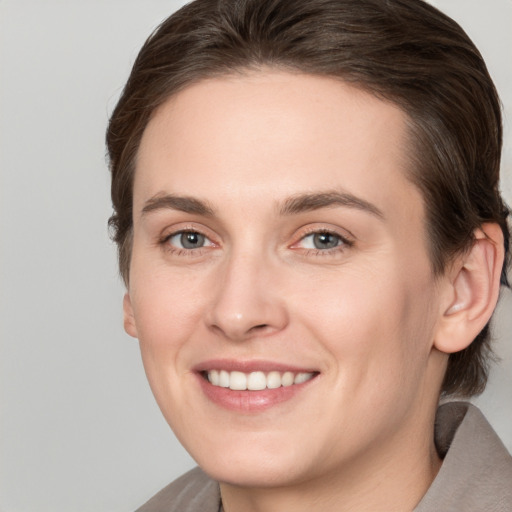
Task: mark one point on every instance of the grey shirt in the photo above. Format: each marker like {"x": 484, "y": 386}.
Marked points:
{"x": 476, "y": 474}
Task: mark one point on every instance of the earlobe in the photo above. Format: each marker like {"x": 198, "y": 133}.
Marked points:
{"x": 129, "y": 319}
{"x": 473, "y": 291}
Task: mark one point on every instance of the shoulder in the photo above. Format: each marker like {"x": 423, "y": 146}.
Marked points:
{"x": 476, "y": 473}
{"x": 191, "y": 492}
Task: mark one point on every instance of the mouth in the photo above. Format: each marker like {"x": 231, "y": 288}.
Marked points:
{"x": 252, "y": 386}
{"x": 256, "y": 380}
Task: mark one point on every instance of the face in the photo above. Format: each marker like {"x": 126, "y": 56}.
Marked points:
{"x": 280, "y": 285}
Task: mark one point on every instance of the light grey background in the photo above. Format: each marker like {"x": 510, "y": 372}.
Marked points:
{"x": 79, "y": 428}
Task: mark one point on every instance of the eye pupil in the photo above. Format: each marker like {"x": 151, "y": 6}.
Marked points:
{"x": 192, "y": 240}
{"x": 325, "y": 240}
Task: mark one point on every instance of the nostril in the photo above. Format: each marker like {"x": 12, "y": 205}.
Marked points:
{"x": 259, "y": 327}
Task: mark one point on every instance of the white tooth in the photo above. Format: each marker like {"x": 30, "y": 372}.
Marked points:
{"x": 256, "y": 381}
{"x": 224, "y": 379}
{"x": 302, "y": 377}
{"x": 237, "y": 381}
{"x": 213, "y": 377}
{"x": 273, "y": 380}
{"x": 287, "y": 379}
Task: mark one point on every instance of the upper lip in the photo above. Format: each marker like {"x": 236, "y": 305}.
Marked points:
{"x": 231, "y": 365}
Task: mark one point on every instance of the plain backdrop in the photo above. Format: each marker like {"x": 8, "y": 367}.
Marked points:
{"x": 79, "y": 429}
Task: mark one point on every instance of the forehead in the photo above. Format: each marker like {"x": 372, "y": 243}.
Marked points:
{"x": 270, "y": 135}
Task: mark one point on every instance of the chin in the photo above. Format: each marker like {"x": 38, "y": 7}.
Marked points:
{"x": 251, "y": 465}
{"x": 255, "y": 474}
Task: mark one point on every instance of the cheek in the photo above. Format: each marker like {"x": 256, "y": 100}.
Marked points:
{"x": 167, "y": 304}
{"x": 168, "y": 309}
{"x": 347, "y": 303}
{"x": 373, "y": 323}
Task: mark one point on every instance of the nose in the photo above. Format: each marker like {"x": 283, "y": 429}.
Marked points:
{"x": 247, "y": 299}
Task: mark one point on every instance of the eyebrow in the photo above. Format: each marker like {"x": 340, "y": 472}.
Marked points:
{"x": 180, "y": 203}
{"x": 315, "y": 201}
{"x": 297, "y": 204}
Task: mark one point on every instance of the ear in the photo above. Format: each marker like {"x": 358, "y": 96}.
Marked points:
{"x": 129, "y": 319}
{"x": 472, "y": 290}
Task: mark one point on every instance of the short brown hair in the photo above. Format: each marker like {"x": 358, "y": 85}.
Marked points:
{"x": 403, "y": 51}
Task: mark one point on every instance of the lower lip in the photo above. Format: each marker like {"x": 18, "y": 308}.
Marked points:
{"x": 250, "y": 401}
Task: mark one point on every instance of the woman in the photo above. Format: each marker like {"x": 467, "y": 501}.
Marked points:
{"x": 312, "y": 240}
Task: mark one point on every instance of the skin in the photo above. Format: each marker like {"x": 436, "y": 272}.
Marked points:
{"x": 366, "y": 314}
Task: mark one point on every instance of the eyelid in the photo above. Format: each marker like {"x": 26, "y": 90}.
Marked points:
{"x": 185, "y": 227}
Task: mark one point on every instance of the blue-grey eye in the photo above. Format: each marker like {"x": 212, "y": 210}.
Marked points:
{"x": 322, "y": 240}
{"x": 189, "y": 240}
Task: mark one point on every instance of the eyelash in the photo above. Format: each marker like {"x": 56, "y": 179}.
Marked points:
{"x": 179, "y": 251}
{"x": 343, "y": 245}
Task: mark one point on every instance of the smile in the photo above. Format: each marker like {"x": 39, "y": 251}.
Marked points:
{"x": 251, "y": 387}
{"x": 257, "y": 380}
